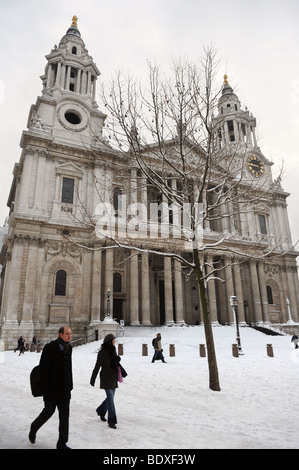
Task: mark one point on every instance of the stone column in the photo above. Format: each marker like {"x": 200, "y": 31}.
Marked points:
{"x": 178, "y": 290}
{"x": 58, "y": 76}
{"x": 83, "y": 82}
{"x": 168, "y": 291}
{"x": 109, "y": 279}
{"x": 134, "y": 289}
{"x": 133, "y": 185}
{"x": 78, "y": 82}
{"x": 263, "y": 290}
{"x": 236, "y": 131}
{"x": 40, "y": 186}
{"x": 62, "y": 78}
{"x": 256, "y": 293}
{"x": 239, "y": 293}
{"x": 29, "y": 288}
{"x": 94, "y": 88}
{"x": 296, "y": 286}
{"x": 164, "y": 226}
{"x": 145, "y": 291}
{"x": 206, "y": 222}
{"x": 224, "y": 218}
{"x": 143, "y": 207}
{"x": 49, "y": 75}
{"x": 211, "y": 291}
{"x": 68, "y": 76}
{"x": 284, "y": 293}
{"x": 96, "y": 287}
{"x": 6, "y": 286}
{"x": 176, "y": 213}
{"x": 291, "y": 270}
{"x": 25, "y": 184}
{"x": 38, "y": 313}
{"x": 15, "y": 282}
{"x": 88, "y": 82}
{"x": 226, "y": 133}
{"x": 230, "y": 290}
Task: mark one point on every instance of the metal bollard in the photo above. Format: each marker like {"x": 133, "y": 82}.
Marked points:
{"x": 235, "y": 350}
{"x": 171, "y": 350}
{"x": 202, "y": 350}
{"x": 39, "y": 347}
{"x": 144, "y": 350}
{"x": 120, "y": 349}
{"x": 270, "y": 350}
{"x": 31, "y": 347}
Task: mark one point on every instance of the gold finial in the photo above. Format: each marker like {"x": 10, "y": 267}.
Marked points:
{"x": 74, "y": 20}
{"x": 225, "y": 80}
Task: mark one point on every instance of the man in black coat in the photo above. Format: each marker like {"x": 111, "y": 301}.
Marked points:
{"x": 56, "y": 379}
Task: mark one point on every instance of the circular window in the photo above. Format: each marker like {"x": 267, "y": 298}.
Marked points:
{"x": 72, "y": 117}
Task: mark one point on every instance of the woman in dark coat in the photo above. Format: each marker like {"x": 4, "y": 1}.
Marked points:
{"x": 108, "y": 361}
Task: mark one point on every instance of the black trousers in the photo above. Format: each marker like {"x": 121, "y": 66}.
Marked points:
{"x": 63, "y": 406}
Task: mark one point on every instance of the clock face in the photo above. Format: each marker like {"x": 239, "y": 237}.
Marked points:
{"x": 255, "y": 166}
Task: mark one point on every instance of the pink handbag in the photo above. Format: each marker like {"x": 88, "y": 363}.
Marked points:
{"x": 119, "y": 375}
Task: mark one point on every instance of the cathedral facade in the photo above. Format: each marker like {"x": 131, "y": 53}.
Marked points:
{"x": 48, "y": 280}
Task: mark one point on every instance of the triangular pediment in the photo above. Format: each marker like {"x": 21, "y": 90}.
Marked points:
{"x": 69, "y": 169}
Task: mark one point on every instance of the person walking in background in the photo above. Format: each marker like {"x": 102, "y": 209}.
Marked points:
{"x": 295, "y": 340}
{"x": 56, "y": 379}
{"x": 107, "y": 361}
{"x": 20, "y": 346}
{"x": 157, "y": 344}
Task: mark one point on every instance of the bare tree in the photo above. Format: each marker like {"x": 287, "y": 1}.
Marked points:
{"x": 172, "y": 132}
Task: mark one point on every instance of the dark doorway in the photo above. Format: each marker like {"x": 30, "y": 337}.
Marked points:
{"x": 118, "y": 309}
{"x": 161, "y": 302}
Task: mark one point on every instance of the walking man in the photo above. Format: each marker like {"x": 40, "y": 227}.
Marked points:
{"x": 56, "y": 379}
{"x": 157, "y": 344}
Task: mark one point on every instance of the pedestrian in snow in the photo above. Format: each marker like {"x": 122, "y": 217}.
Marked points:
{"x": 158, "y": 354}
{"x": 20, "y": 346}
{"x": 107, "y": 361}
{"x": 57, "y": 382}
{"x": 34, "y": 341}
{"x": 295, "y": 340}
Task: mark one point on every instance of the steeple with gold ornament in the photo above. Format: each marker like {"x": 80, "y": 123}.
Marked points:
{"x": 67, "y": 111}
{"x": 233, "y": 125}
{"x": 70, "y": 68}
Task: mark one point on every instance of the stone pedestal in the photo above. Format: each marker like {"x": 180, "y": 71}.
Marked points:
{"x": 105, "y": 327}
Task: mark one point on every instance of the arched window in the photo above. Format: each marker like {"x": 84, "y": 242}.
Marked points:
{"x": 116, "y": 282}
{"x": 269, "y": 295}
{"x": 60, "y": 283}
{"x": 74, "y": 50}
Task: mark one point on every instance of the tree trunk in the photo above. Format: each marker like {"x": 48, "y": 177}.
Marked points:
{"x": 212, "y": 361}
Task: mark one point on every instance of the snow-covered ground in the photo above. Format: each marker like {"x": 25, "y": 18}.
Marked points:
{"x": 168, "y": 406}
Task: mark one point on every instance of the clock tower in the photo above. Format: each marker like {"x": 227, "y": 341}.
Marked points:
{"x": 235, "y": 132}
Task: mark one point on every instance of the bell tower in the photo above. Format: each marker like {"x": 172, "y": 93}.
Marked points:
{"x": 233, "y": 125}
{"x": 67, "y": 110}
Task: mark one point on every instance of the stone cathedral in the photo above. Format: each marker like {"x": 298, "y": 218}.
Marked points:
{"x": 47, "y": 280}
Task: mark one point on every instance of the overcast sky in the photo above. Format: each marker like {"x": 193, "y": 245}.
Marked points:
{"x": 257, "y": 41}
